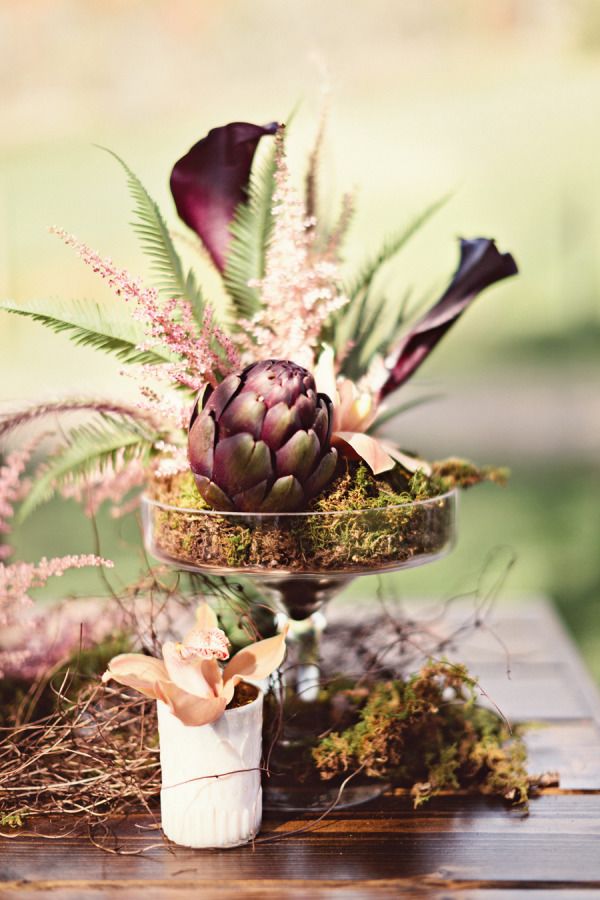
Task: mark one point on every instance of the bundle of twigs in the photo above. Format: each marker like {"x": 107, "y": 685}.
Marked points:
{"x": 95, "y": 756}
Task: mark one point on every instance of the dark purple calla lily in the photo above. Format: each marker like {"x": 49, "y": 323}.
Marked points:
{"x": 481, "y": 264}
{"x": 210, "y": 181}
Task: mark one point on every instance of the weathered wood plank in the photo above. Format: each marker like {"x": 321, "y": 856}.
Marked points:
{"x": 458, "y": 839}
{"x": 523, "y": 656}
{"x": 570, "y": 748}
{"x": 384, "y": 889}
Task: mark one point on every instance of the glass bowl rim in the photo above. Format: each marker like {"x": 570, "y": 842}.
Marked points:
{"x": 452, "y": 494}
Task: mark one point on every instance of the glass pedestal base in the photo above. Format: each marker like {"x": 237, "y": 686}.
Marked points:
{"x": 292, "y": 783}
{"x": 310, "y": 798}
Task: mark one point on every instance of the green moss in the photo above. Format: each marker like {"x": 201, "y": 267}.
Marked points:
{"x": 178, "y": 490}
{"x": 12, "y": 820}
{"x": 92, "y": 661}
{"x": 236, "y": 545}
{"x": 460, "y": 473}
{"x": 380, "y": 526}
{"x": 428, "y": 733}
{"x": 357, "y": 488}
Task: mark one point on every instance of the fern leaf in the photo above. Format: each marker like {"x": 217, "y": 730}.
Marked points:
{"x": 381, "y": 328}
{"x": 362, "y": 342}
{"x": 85, "y": 323}
{"x": 10, "y": 421}
{"x": 251, "y": 230}
{"x": 355, "y": 323}
{"x": 362, "y": 280}
{"x": 87, "y": 448}
{"x": 151, "y": 228}
{"x": 389, "y": 414}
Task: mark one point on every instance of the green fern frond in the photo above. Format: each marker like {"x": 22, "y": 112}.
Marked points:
{"x": 364, "y": 341}
{"x": 24, "y": 416}
{"x": 151, "y": 228}
{"x": 377, "y": 331}
{"x": 362, "y": 281}
{"x": 390, "y": 414}
{"x": 251, "y": 230}
{"x": 357, "y": 323}
{"x": 86, "y": 324}
{"x": 86, "y": 449}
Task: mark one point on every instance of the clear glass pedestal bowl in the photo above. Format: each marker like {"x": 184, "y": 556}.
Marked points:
{"x": 302, "y": 560}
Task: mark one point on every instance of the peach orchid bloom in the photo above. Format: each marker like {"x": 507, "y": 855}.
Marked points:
{"x": 188, "y": 678}
{"x": 354, "y": 411}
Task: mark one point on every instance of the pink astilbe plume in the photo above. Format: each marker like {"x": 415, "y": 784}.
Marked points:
{"x": 173, "y": 459}
{"x": 203, "y": 353}
{"x": 44, "y": 640}
{"x": 11, "y": 491}
{"x": 19, "y": 578}
{"x": 109, "y": 484}
{"x": 301, "y": 287}
{"x": 340, "y": 229}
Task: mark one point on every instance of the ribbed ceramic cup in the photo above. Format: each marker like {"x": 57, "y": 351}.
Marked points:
{"x": 198, "y": 808}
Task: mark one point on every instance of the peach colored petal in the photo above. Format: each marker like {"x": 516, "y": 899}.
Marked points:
{"x": 213, "y": 675}
{"x": 205, "y": 617}
{"x": 410, "y": 463}
{"x": 229, "y": 688}
{"x": 189, "y": 709}
{"x": 143, "y": 673}
{"x": 356, "y": 409}
{"x": 197, "y": 676}
{"x": 257, "y": 660}
{"x": 366, "y": 447}
{"x": 324, "y": 373}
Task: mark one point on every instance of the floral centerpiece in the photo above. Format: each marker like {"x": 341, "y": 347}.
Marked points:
{"x": 271, "y": 410}
{"x": 285, "y": 396}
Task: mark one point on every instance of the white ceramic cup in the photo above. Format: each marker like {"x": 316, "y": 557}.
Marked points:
{"x": 225, "y": 808}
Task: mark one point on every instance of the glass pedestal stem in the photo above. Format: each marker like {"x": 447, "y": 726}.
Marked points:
{"x": 304, "y": 642}
{"x": 305, "y": 638}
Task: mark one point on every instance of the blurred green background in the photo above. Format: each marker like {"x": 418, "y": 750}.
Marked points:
{"x": 497, "y": 102}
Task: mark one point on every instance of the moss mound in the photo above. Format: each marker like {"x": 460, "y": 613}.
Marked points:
{"x": 427, "y": 732}
{"x": 360, "y": 523}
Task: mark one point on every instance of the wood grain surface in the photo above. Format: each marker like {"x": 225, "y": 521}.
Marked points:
{"x": 458, "y": 845}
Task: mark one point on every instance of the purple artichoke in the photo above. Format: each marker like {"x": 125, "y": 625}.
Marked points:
{"x": 260, "y": 441}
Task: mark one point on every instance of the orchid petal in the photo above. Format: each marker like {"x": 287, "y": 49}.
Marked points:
{"x": 198, "y": 676}
{"x": 189, "y": 709}
{"x": 366, "y": 447}
{"x": 229, "y": 688}
{"x": 357, "y": 409}
{"x": 324, "y": 373}
{"x": 256, "y": 661}
{"x": 206, "y": 617}
{"x": 134, "y": 670}
{"x": 205, "y": 639}
{"x": 210, "y": 181}
{"x": 481, "y": 265}
{"x": 408, "y": 462}
{"x": 204, "y": 643}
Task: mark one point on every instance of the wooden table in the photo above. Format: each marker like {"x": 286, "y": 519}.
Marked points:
{"x": 457, "y": 846}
